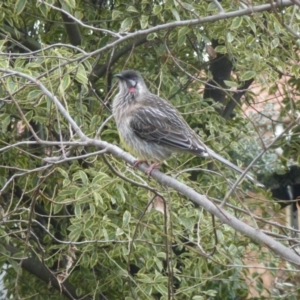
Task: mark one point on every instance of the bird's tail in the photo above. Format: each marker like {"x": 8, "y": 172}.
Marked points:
{"x": 227, "y": 163}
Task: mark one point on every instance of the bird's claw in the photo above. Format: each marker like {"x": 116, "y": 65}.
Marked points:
{"x": 138, "y": 162}
{"x": 151, "y": 168}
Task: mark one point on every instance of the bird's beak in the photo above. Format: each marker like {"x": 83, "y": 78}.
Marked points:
{"x": 119, "y": 76}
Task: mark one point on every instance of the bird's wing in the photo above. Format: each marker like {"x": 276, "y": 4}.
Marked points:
{"x": 164, "y": 127}
{"x": 167, "y": 128}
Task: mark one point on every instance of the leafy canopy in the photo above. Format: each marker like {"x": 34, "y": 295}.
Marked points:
{"x": 76, "y": 218}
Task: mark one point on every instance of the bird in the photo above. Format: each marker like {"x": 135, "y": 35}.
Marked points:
{"x": 152, "y": 128}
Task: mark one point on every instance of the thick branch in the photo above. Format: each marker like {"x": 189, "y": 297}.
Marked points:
{"x": 72, "y": 29}
{"x": 36, "y": 268}
{"x": 100, "y": 70}
{"x": 236, "y": 98}
{"x": 220, "y": 69}
{"x": 219, "y": 212}
{"x": 25, "y": 40}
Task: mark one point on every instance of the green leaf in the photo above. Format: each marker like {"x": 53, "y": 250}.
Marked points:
{"x": 236, "y": 23}
{"x": 160, "y": 267}
{"x": 221, "y": 49}
{"x": 126, "y": 24}
{"x": 151, "y": 36}
{"x": 277, "y": 27}
{"x": 2, "y": 15}
{"x": 11, "y": 85}
{"x": 43, "y": 9}
{"x": 275, "y": 43}
{"x": 211, "y": 7}
{"x": 231, "y": 83}
{"x": 92, "y": 209}
{"x": 19, "y": 6}
{"x": 181, "y": 40}
{"x": 81, "y": 75}
{"x": 78, "y": 211}
{"x": 132, "y": 9}
{"x": 104, "y": 41}
{"x": 126, "y": 218}
{"x": 232, "y": 249}
{"x": 5, "y": 123}
{"x": 175, "y": 14}
{"x": 18, "y": 255}
{"x": 65, "y": 82}
{"x": 220, "y": 236}
{"x": 75, "y": 232}
{"x": 144, "y": 21}
{"x": 62, "y": 172}
{"x": 57, "y": 208}
{"x": 229, "y": 37}
{"x": 100, "y": 178}
{"x": 157, "y": 9}
{"x": 252, "y": 25}
{"x": 78, "y": 15}
{"x": 161, "y": 288}
{"x": 84, "y": 177}
{"x": 187, "y": 6}
{"x": 34, "y": 95}
{"x": 119, "y": 231}
{"x": 97, "y": 198}
{"x": 85, "y": 261}
{"x": 121, "y": 192}
{"x": 94, "y": 259}
{"x": 161, "y": 255}
{"x": 66, "y": 182}
{"x": 4, "y": 63}
{"x": 70, "y": 3}
{"x": 105, "y": 234}
{"x": 116, "y": 14}
{"x": 248, "y": 75}
{"x": 145, "y": 278}
{"x": 29, "y": 115}
{"x": 82, "y": 193}
{"x": 149, "y": 263}
{"x": 88, "y": 234}
{"x": 183, "y": 31}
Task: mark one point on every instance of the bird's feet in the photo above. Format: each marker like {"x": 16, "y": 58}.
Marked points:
{"x": 151, "y": 167}
{"x": 138, "y": 162}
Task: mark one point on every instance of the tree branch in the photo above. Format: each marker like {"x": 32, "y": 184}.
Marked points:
{"x": 72, "y": 30}
{"x": 100, "y": 70}
{"x": 36, "y": 268}
{"x": 236, "y": 98}
{"x": 201, "y": 200}
{"x": 167, "y": 26}
{"x": 26, "y": 41}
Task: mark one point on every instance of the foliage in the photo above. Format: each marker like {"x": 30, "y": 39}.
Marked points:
{"x": 76, "y": 212}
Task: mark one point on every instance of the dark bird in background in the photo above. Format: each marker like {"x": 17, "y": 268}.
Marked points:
{"x": 152, "y": 129}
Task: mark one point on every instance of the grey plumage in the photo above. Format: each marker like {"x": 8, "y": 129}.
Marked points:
{"x": 151, "y": 128}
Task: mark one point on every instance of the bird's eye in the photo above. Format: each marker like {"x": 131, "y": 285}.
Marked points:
{"x": 132, "y": 82}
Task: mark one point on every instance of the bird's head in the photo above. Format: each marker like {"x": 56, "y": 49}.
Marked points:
{"x": 131, "y": 83}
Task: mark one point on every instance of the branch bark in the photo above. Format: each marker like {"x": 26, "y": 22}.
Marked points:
{"x": 22, "y": 38}
{"x": 100, "y": 70}
{"x": 236, "y": 99}
{"x": 36, "y": 268}
{"x": 72, "y": 29}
